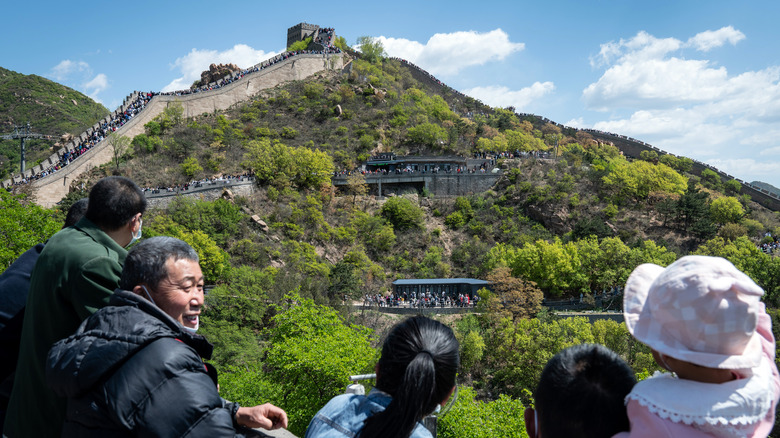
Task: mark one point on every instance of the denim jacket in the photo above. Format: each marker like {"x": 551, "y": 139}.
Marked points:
{"x": 344, "y": 415}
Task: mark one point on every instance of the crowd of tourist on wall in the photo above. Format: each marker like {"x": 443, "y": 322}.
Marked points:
{"x": 223, "y": 180}
{"x": 94, "y": 137}
{"x": 423, "y": 299}
{"x": 143, "y": 98}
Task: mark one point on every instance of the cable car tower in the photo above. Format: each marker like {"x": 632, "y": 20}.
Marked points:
{"x": 22, "y": 132}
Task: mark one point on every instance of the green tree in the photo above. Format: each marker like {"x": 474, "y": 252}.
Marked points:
{"x": 190, "y": 167}
{"x": 402, "y": 213}
{"x": 732, "y": 187}
{"x": 472, "y": 348}
{"x": 743, "y": 253}
{"x": 280, "y": 165}
{"x": 300, "y": 45}
{"x": 473, "y": 418}
{"x": 340, "y": 42}
{"x": 514, "y": 296}
{"x": 554, "y": 266}
{"x": 214, "y": 262}
{"x": 119, "y": 144}
{"x": 22, "y": 226}
{"x": 637, "y": 179}
{"x": 219, "y": 219}
{"x": 243, "y": 300}
{"x": 428, "y": 134}
{"x": 432, "y": 264}
{"x": 371, "y": 48}
{"x": 377, "y": 235}
{"x": 692, "y": 209}
{"x": 650, "y": 156}
{"x": 711, "y": 179}
{"x": 520, "y": 350}
{"x": 356, "y": 185}
{"x": 344, "y": 284}
{"x": 726, "y": 210}
{"x": 312, "y": 353}
{"x": 234, "y": 345}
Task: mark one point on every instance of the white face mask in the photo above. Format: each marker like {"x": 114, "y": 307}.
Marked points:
{"x": 137, "y": 235}
{"x": 192, "y": 330}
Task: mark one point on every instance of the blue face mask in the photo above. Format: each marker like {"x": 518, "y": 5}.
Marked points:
{"x": 137, "y": 235}
{"x": 148, "y": 295}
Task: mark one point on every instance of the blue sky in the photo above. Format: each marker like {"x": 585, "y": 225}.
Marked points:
{"x": 695, "y": 78}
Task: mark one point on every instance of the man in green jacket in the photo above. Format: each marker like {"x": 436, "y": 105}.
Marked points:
{"x": 74, "y": 276}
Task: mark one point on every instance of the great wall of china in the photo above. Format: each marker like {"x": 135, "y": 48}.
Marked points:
{"x": 49, "y": 190}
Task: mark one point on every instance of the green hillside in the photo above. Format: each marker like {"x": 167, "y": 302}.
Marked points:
{"x": 49, "y": 107}
{"x": 582, "y": 207}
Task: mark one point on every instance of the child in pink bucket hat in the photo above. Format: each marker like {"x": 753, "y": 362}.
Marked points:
{"x": 705, "y": 323}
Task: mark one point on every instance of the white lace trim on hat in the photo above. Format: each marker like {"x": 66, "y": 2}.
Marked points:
{"x": 726, "y": 409}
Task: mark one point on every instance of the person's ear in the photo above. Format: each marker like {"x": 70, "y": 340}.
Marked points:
{"x": 139, "y": 290}
{"x": 530, "y": 422}
{"x": 135, "y": 222}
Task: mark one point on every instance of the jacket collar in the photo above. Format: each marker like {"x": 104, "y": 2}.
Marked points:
{"x": 98, "y": 235}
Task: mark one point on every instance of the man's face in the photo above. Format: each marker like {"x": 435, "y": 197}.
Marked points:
{"x": 180, "y": 295}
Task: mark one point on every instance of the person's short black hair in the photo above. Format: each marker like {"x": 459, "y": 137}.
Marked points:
{"x": 113, "y": 201}
{"x": 581, "y": 393}
{"x": 76, "y": 212}
{"x": 145, "y": 262}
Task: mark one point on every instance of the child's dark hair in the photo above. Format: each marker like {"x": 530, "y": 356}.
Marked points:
{"x": 418, "y": 367}
{"x": 581, "y": 393}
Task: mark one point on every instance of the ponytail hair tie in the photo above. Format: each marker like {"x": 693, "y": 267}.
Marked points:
{"x": 426, "y": 352}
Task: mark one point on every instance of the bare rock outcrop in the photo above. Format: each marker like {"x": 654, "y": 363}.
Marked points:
{"x": 216, "y": 72}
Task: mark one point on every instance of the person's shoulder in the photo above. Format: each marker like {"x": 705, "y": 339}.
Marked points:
{"x": 342, "y": 401}
{"x": 421, "y": 432}
{"x": 73, "y": 241}
{"x": 342, "y": 416}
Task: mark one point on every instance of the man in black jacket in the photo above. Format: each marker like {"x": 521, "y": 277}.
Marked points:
{"x": 135, "y": 367}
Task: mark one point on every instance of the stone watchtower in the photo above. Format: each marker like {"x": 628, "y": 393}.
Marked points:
{"x": 321, "y": 37}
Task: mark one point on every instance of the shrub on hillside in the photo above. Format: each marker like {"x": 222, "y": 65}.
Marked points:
{"x": 402, "y": 213}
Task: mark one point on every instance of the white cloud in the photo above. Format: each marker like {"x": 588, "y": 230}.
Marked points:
{"x": 641, "y": 72}
{"x": 79, "y": 75}
{"x": 194, "y": 63}
{"x": 748, "y": 169}
{"x": 448, "y": 53}
{"x": 66, "y": 68}
{"x": 690, "y": 106}
{"x": 504, "y": 97}
{"x": 95, "y": 86}
{"x": 710, "y": 39}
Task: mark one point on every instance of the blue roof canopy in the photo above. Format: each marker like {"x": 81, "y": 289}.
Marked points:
{"x": 422, "y": 281}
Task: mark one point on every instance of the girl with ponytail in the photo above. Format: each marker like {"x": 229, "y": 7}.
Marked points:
{"x": 415, "y": 375}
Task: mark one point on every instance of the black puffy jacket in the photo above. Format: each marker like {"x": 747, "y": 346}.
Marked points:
{"x": 131, "y": 370}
